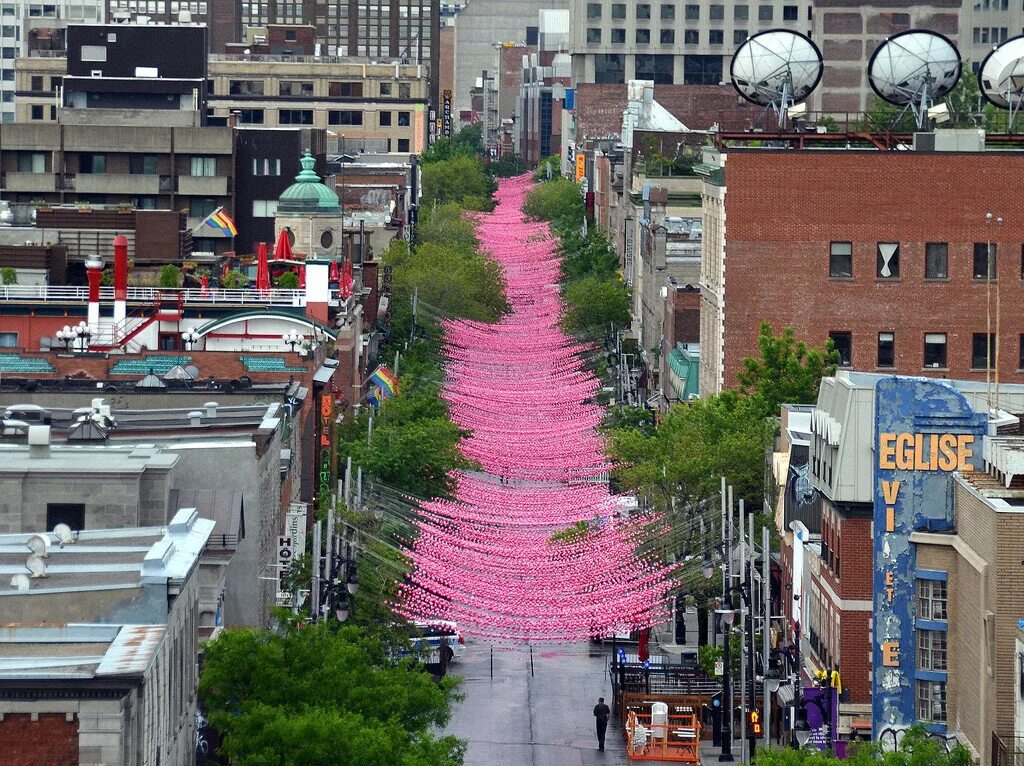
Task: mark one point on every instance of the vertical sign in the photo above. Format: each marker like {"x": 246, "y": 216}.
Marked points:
{"x": 446, "y": 114}
{"x": 419, "y": 116}
{"x": 925, "y": 431}
{"x": 325, "y": 450}
{"x": 627, "y": 265}
{"x": 295, "y": 528}
{"x": 285, "y": 554}
{"x": 581, "y": 166}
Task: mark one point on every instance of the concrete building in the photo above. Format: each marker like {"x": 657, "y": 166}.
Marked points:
{"x": 98, "y": 660}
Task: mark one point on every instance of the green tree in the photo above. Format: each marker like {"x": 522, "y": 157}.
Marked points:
{"x": 594, "y": 303}
{"x": 915, "y": 748}
{"x": 549, "y": 168}
{"x": 8, "y": 276}
{"x": 447, "y": 225}
{"x": 507, "y": 165}
{"x": 788, "y": 371}
{"x": 558, "y": 201}
{"x": 288, "y": 281}
{"x": 587, "y": 255}
{"x": 170, "y": 276}
{"x": 324, "y": 694}
{"x": 454, "y": 180}
{"x": 470, "y": 140}
{"x": 234, "y": 280}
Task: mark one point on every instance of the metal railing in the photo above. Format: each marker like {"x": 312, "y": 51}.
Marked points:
{"x": 211, "y": 296}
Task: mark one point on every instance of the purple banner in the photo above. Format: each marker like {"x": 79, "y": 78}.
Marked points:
{"x": 828, "y": 699}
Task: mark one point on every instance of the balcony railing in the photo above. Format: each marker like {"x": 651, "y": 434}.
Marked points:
{"x": 212, "y": 296}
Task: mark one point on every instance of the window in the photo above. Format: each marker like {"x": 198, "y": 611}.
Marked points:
{"x": 37, "y": 112}
{"x": 931, "y": 597}
{"x": 593, "y": 10}
{"x": 931, "y": 701}
{"x": 37, "y": 83}
{"x": 843, "y": 342}
{"x": 888, "y": 266}
{"x": 295, "y": 117}
{"x": 296, "y": 88}
{"x": 692, "y": 12}
{"x": 72, "y": 514}
{"x": 403, "y": 145}
{"x": 385, "y": 119}
{"x": 668, "y": 12}
{"x": 790, "y": 13}
{"x": 935, "y": 349}
{"x": 618, "y": 10}
{"x": 345, "y": 117}
{"x": 593, "y": 35}
{"x": 203, "y": 166}
{"x": 266, "y": 167}
{"x": 92, "y": 163}
{"x": 886, "y": 349}
{"x": 840, "y": 259}
{"x": 264, "y": 208}
{"x": 668, "y": 37}
{"x": 691, "y": 37}
{"x": 931, "y": 650}
{"x": 245, "y": 88}
{"x": 404, "y": 90}
{"x": 741, "y": 13}
{"x": 765, "y": 12}
{"x": 655, "y": 67}
{"x": 31, "y": 162}
{"x": 610, "y": 68}
{"x": 142, "y": 164}
{"x": 716, "y": 37}
{"x": 985, "y": 260}
{"x": 250, "y": 116}
{"x": 8, "y": 340}
{"x": 643, "y": 36}
{"x": 739, "y": 36}
{"x": 702, "y": 70}
{"x": 619, "y": 36}
{"x": 643, "y": 10}
{"x": 94, "y": 53}
{"x": 936, "y": 260}
{"x": 403, "y": 119}
{"x": 385, "y": 89}
{"x": 291, "y": 36}
{"x": 983, "y": 351}
{"x": 716, "y": 12}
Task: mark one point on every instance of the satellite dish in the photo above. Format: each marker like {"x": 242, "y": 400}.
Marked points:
{"x": 20, "y": 582}
{"x": 64, "y": 534}
{"x": 39, "y": 545}
{"x": 914, "y": 69}
{"x": 36, "y": 566}
{"x": 1001, "y": 77}
{"x": 776, "y": 69}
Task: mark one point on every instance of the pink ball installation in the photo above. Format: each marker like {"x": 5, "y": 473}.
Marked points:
{"x": 485, "y": 558}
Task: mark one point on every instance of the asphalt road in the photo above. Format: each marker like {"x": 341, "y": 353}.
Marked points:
{"x": 540, "y": 719}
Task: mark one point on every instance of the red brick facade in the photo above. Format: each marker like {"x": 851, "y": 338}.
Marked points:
{"x": 785, "y": 208}
{"x": 51, "y": 740}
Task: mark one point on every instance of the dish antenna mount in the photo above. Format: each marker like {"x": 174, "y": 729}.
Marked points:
{"x": 914, "y": 69}
{"x": 1001, "y": 77}
{"x": 777, "y": 69}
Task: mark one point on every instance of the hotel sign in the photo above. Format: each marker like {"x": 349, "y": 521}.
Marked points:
{"x": 325, "y": 454}
{"x": 925, "y": 432}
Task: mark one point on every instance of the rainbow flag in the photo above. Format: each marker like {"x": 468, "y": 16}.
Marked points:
{"x": 385, "y": 381}
{"x": 219, "y": 219}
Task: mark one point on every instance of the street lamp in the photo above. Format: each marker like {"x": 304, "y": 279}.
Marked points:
{"x": 83, "y": 332}
{"x": 66, "y": 336}
{"x": 190, "y": 338}
{"x": 293, "y": 338}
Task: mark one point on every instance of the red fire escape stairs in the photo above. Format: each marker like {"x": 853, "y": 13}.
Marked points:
{"x": 122, "y": 334}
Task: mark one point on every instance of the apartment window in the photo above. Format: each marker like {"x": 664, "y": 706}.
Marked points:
{"x": 403, "y": 145}
{"x": 345, "y": 117}
{"x": 302, "y": 88}
{"x": 765, "y": 13}
{"x": 295, "y": 117}
{"x": 668, "y": 37}
{"x": 983, "y": 351}
{"x": 142, "y": 165}
{"x": 716, "y": 12}
{"x": 264, "y": 208}
{"x": 385, "y": 90}
{"x": 643, "y": 36}
{"x": 203, "y": 166}
{"x": 843, "y": 341}
{"x": 643, "y": 10}
{"x": 404, "y": 119}
{"x": 931, "y": 701}
{"x": 691, "y": 37}
{"x": 931, "y": 596}
{"x": 291, "y": 36}
{"x": 985, "y": 260}
{"x": 593, "y": 35}
{"x": 72, "y": 514}
{"x": 936, "y": 260}
{"x": 245, "y": 88}
{"x": 610, "y": 68}
{"x": 8, "y": 340}
{"x": 266, "y": 167}
{"x": 37, "y": 112}
{"x": 668, "y": 12}
{"x": 593, "y": 10}
{"x": 692, "y": 12}
{"x": 888, "y": 266}
{"x": 31, "y": 162}
{"x": 739, "y": 36}
{"x": 716, "y": 37}
{"x": 250, "y": 116}
{"x": 385, "y": 119}
{"x": 404, "y": 90}
{"x": 741, "y": 13}
{"x": 37, "y": 83}
{"x": 619, "y": 36}
{"x": 931, "y": 650}
{"x": 935, "y": 349}
{"x": 886, "y": 349}
{"x": 92, "y": 163}
{"x": 790, "y": 13}
{"x": 618, "y": 11}
{"x": 840, "y": 259}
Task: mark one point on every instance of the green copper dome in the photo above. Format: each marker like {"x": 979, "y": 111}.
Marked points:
{"x": 308, "y": 195}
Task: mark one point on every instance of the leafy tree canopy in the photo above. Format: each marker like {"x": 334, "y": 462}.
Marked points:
{"x": 558, "y": 201}
{"x": 915, "y": 749}
{"x": 454, "y": 180}
{"x": 594, "y": 303}
{"x": 587, "y": 255}
{"x": 448, "y": 226}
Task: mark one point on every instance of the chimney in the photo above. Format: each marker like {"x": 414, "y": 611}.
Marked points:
{"x": 38, "y": 441}
{"x": 211, "y": 409}
{"x": 120, "y": 278}
{"x": 94, "y": 270}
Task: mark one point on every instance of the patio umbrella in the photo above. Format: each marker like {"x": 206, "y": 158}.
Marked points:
{"x": 345, "y": 283}
{"x": 334, "y": 275}
{"x": 205, "y": 282}
{"x": 283, "y": 247}
{"x": 302, "y": 277}
{"x": 262, "y": 268}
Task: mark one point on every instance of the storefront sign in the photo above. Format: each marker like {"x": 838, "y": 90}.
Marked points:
{"x": 925, "y": 431}
{"x": 446, "y": 114}
{"x": 581, "y": 166}
{"x": 295, "y": 528}
{"x": 285, "y": 555}
{"x": 325, "y": 455}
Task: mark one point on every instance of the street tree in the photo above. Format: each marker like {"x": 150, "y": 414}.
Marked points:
{"x": 448, "y": 226}
{"x": 324, "y": 694}
{"x": 587, "y": 255}
{"x": 455, "y": 180}
{"x": 558, "y": 201}
{"x": 594, "y": 303}
{"x": 915, "y": 748}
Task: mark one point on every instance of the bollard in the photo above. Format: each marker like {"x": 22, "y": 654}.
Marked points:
{"x": 492, "y": 663}
{"x": 531, "y": 661}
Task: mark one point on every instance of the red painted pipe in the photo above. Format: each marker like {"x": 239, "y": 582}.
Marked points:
{"x": 120, "y": 268}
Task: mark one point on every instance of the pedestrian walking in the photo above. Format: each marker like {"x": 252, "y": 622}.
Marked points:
{"x": 602, "y": 713}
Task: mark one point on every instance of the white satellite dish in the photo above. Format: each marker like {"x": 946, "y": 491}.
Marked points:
{"x": 776, "y": 69}
{"x": 39, "y": 545}
{"x": 914, "y": 69}
{"x": 1001, "y": 77}
{"x": 64, "y": 534}
{"x": 36, "y": 566}
{"x": 20, "y": 582}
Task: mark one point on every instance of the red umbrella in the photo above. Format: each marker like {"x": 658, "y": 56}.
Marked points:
{"x": 205, "y": 282}
{"x": 283, "y": 247}
{"x": 345, "y": 283}
{"x": 334, "y": 275}
{"x": 262, "y": 268}
{"x": 302, "y": 277}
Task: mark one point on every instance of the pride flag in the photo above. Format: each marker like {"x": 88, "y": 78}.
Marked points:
{"x": 219, "y": 219}
{"x": 385, "y": 381}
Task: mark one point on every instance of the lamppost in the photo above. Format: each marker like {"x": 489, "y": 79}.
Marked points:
{"x": 66, "y": 336}
{"x": 337, "y": 599}
{"x": 293, "y": 338}
{"x": 190, "y": 337}
{"x": 83, "y": 333}
{"x": 824, "y": 702}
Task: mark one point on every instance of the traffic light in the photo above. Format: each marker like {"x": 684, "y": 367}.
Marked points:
{"x": 754, "y": 717}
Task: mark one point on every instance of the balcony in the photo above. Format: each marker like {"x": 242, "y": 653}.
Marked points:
{"x": 29, "y": 182}
{"x": 111, "y": 183}
{"x": 203, "y": 186}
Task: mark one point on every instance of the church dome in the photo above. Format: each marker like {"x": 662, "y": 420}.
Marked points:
{"x": 308, "y": 195}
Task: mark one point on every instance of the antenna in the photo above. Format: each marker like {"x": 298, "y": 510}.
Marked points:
{"x": 914, "y": 69}
{"x": 36, "y": 566}
{"x": 776, "y": 69}
{"x": 20, "y": 582}
{"x": 39, "y": 545}
{"x": 1001, "y": 77}
{"x": 64, "y": 534}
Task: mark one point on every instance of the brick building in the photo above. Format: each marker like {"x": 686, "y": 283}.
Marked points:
{"x": 884, "y": 252}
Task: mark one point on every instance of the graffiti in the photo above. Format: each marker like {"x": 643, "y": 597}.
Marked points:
{"x": 376, "y": 199}
{"x": 202, "y": 746}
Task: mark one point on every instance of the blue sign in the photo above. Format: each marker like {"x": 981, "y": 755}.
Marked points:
{"x": 925, "y": 432}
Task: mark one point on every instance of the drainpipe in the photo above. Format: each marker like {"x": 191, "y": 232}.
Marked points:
{"x": 120, "y": 279}
{"x": 94, "y": 270}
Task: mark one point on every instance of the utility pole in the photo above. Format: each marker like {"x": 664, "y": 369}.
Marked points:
{"x": 751, "y": 647}
{"x": 741, "y": 529}
{"x": 314, "y": 594}
{"x": 766, "y": 606}
{"x": 415, "y": 300}
{"x": 727, "y": 696}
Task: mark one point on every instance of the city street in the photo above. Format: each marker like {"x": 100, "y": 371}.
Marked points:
{"x": 541, "y": 720}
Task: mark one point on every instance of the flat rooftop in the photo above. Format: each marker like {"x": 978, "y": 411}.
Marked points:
{"x": 77, "y": 650}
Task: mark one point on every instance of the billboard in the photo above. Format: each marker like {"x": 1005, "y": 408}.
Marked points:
{"x": 925, "y": 431}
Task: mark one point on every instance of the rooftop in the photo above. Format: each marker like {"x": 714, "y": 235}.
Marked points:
{"x": 77, "y": 650}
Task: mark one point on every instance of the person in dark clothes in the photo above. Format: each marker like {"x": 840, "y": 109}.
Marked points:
{"x": 602, "y": 713}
